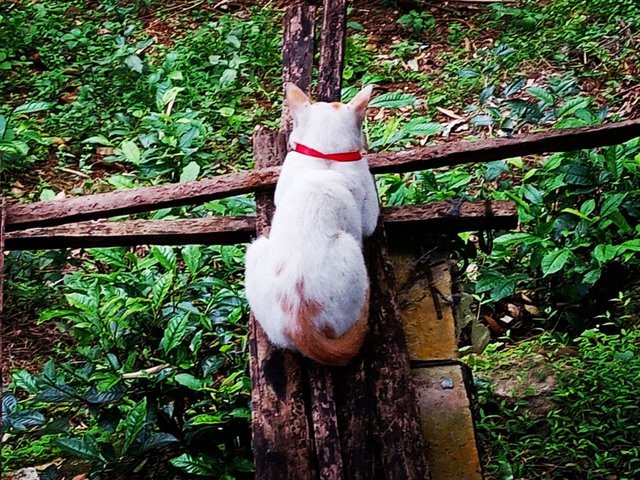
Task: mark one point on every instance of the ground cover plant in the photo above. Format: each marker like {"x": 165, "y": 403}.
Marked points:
{"x": 140, "y": 365}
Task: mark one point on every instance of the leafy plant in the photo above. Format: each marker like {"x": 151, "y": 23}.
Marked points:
{"x": 160, "y": 361}
{"x": 417, "y": 22}
{"x": 587, "y": 429}
{"x": 16, "y": 135}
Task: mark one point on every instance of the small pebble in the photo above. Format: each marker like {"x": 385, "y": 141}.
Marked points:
{"x": 447, "y": 384}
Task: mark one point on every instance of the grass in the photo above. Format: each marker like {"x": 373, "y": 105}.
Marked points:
{"x": 587, "y": 428}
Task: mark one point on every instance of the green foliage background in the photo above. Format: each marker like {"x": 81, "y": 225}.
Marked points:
{"x": 151, "y": 378}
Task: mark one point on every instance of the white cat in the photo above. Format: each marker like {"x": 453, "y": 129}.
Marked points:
{"x": 307, "y": 283}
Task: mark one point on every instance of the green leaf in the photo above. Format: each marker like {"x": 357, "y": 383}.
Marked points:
{"x": 130, "y": 151}
{"x": 192, "y": 254}
{"x": 228, "y": 77}
{"x": 187, "y": 138}
{"x": 588, "y": 207}
{"x": 577, "y": 213}
{"x": 158, "y": 440}
{"x": 170, "y": 95}
{"x": 553, "y": 261}
{"x": 630, "y": 246}
{"x": 111, "y": 395}
{"x": 208, "y": 419}
{"x": 134, "y": 423}
{"x": 572, "y": 106}
{"x": 112, "y": 257}
{"x": 190, "y": 172}
{"x": 25, "y": 380}
{"x": 32, "y": 107}
{"x": 161, "y": 288}
{"x": 576, "y": 174}
{"x": 134, "y": 63}
{"x": 165, "y": 255}
{"x": 422, "y": 129}
{"x": 176, "y": 330}
{"x": 541, "y": 94}
{"x": 481, "y": 121}
{"x": 242, "y": 464}
{"x": 603, "y": 253}
{"x": 198, "y": 465}
{"x": 9, "y": 404}
{"x": 393, "y": 100}
{"x": 190, "y": 381}
{"x": 532, "y": 194}
{"x": 47, "y": 194}
{"x": 82, "y": 302}
{"x": 82, "y": 448}
{"x": 611, "y": 204}
{"x": 21, "y": 421}
{"x": 99, "y": 140}
{"x": 59, "y": 393}
{"x": 592, "y": 277}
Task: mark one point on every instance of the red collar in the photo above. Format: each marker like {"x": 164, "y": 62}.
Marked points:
{"x": 336, "y": 157}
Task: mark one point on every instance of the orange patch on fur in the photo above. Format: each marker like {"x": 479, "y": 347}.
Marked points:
{"x": 296, "y": 97}
{"x": 336, "y": 105}
{"x": 285, "y": 304}
{"x": 322, "y": 344}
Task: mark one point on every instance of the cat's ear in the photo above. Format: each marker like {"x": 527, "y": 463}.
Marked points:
{"x": 294, "y": 97}
{"x": 359, "y": 103}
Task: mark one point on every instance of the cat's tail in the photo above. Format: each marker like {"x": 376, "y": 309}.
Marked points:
{"x": 322, "y": 344}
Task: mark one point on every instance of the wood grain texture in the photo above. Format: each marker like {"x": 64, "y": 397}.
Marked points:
{"x": 105, "y": 233}
{"x": 434, "y": 217}
{"x": 56, "y": 212}
{"x": 402, "y": 447}
{"x": 142, "y": 199}
{"x": 456, "y": 153}
{"x": 333, "y": 41}
{"x": 297, "y": 54}
{"x": 3, "y": 211}
{"x": 282, "y": 445}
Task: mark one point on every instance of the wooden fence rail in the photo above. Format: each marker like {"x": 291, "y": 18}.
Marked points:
{"x": 434, "y": 217}
{"x": 57, "y": 212}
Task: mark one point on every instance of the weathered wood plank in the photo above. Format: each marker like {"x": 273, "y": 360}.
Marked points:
{"x": 324, "y": 414}
{"x": 56, "y": 212}
{"x": 456, "y": 153}
{"x": 297, "y": 56}
{"x": 282, "y": 442}
{"x": 3, "y": 212}
{"x": 105, "y": 233}
{"x": 333, "y": 41}
{"x": 403, "y": 449}
{"x": 142, "y": 199}
{"x": 447, "y": 421}
{"x": 434, "y": 217}
{"x": 282, "y": 438}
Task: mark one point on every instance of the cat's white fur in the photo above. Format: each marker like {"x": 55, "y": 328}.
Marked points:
{"x": 307, "y": 283}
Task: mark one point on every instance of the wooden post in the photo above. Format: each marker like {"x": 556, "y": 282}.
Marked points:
{"x": 334, "y": 29}
{"x": 282, "y": 443}
{"x": 3, "y": 211}
{"x": 281, "y": 438}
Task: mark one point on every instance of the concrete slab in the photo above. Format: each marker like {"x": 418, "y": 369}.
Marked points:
{"x": 447, "y": 423}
